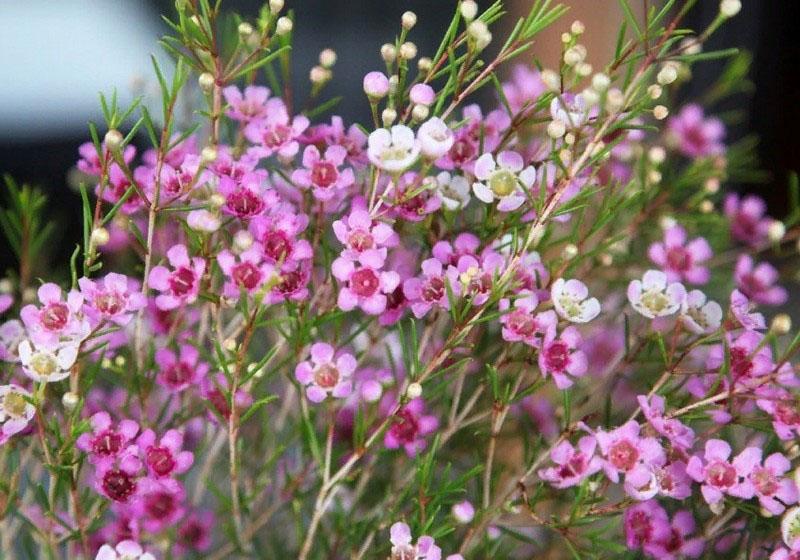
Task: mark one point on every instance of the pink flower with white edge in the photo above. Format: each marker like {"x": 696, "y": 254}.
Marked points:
{"x": 503, "y": 179}
{"x": 719, "y": 476}
{"x": 430, "y": 289}
{"x": 698, "y": 315}
{"x": 653, "y": 296}
{"x": 573, "y": 465}
{"x": 626, "y": 452}
{"x": 773, "y": 490}
{"x": 246, "y": 107}
{"x": 47, "y": 364}
{"x": 435, "y": 138}
{"x": 523, "y": 324}
{"x": 277, "y": 134}
{"x": 106, "y": 442}
{"x": 393, "y": 150}
{"x": 164, "y": 457}
{"x": 326, "y": 374}
{"x": 57, "y": 318}
{"x": 245, "y": 271}
{"x": 16, "y": 411}
{"x": 404, "y": 549}
{"x": 322, "y": 174}
{"x": 180, "y": 285}
{"x": 366, "y": 287}
{"x": 572, "y": 302}
{"x": 681, "y": 260}
{"x": 179, "y": 372}
{"x": 757, "y": 281}
{"x": 561, "y": 357}
{"x": 363, "y": 237}
{"x": 409, "y": 426}
{"x": 126, "y": 550}
{"x": 744, "y": 312}
{"x": 113, "y": 298}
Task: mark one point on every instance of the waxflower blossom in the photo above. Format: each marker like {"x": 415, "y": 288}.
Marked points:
{"x": 325, "y": 374}
{"x": 699, "y": 315}
{"x": 572, "y": 302}
{"x": 181, "y": 285}
{"x": 413, "y": 199}
{"x": 435, "y": 138}
{"x": 178, "y": 372}
{"x": 119, "y": 481}
{"x": 572, "y": 464}
{"x": 245, "y": 272}
{"x": 409, "y": 427}
{"x": 743, "y": 312}
{"x": 679, "y": 543}
{"x": 719, "y": 476}
{"x": 279, "y": 235}
{"x": 748, "y": 220}
{"x": 277, "y": 134}
{"x": 681, "y": 260}
{"x": 248, "y": 106}
{"x": 453, "y": 190}
{"x": 503, "y": 179}
{"x": 561, "y": 357}
{"x": 246, "y": 198}
{"x": 365, "y": 239}
{"x": 463, "y": 512}
{"x": 57, "y": 319}
{"x": 112, "y": 298}
{"x": 365, "y": 287}
{"x": 569, "y": 109}
{"x": 757, "y": 281}
{"x": 653, "y": 297}
{"x": 164, "y": 457}
{"x": 160, "y": 503}
{"x": 521, "y": 324}
{"x": 431, "y": 287}
{"x": 645, "y": 523}
{"x": 626, "y": 452}
{"x": 695, "y": 135}
{"x": 403, "y": 547}
{"x": 16, "y": 411}
{"x": 393, "y": 150}
{"x": 322, "y": 174}
{"x": 194, "y": 532}
{"x": 46, "y": 364}
{"x": 106, "y": 442}
{"x": 125, "y": 550}
{"x": 679, "y": 435}
{"x": 773, "y": 490}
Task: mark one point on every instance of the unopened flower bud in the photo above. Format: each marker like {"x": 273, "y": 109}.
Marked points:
{"x": 606, "y": 259}
{"x": 6, "y": 286}
{"x": 100, "y": 237}
{"x": 113, "y": 140}
{"x": 388, "y": 53}
{"x": 70, "y": 400}
{"x": 706, "y": 207}
{"x": 468, "y": 9}
{"x": 206, "y": 82}
{"x": 283, "y": 26}
{"x": 105, "y": 363}
{"x": 208, "y": 155}
{"x": 577, "y": 27}
{"x": 556, "y": 129}
{"x": 319, "y": 75}
{"x": 327, "y": 58}
{"x": 690, "y": 45}
{"x": 600, "y": 82}
{"x": 424, "y": 64}
{"x": 420, "y": 112}
{"x": 570, "y": 251}
{"x": 479, "y": 33}
{"x": 566, "y": 37}
{"x": 730, "y": 8}
{"x": 657, "y": 155}
{"x": 614, "y": 100}
{"x": 463, "y": 512}
{"x": 781, "y": 324}
{"x": 654, "y": 91}
{"x": 414, "y": 390}
{"x": 551, "y": 80}
{"x": 776, "y": 231}
{"x": 216, "y": 200}
{"x": 712, "y": 185}
{"x": 666, "y": 222}
{"x": 569, "y": 139}
{"x": 245, "y": 30}
{"x": 667, "y": 74}
{"x": 660, "y": 112}
{"x": 654, "y": 177}
{"x": 574, "y": 55}
{"x": 408, "y": 50}
{"x": 120, "y": 361}
{"x": 376, "y": 85}
{"x": 388, "y": 116}
{"x": 591, "y": 97}
{"x": 583, "y": 69}
{"x": 229, "y": 344}
{"x": 565, "y": 156}
{"x": 408, "y": 20}
{"x": 275, "y": 6}
{"x": 243, "y": 240}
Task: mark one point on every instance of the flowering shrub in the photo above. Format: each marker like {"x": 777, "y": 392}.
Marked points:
{"x": 451, "y": 332}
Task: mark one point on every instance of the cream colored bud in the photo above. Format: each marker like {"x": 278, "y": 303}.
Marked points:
{"x": 70, "y": 400}
{"x": 388, "y": 116}
{"x": 414, "y": 390}
{"x": 28, "y": 295}
{"x": 208, "y": 155}
{"x": 388, "y": 53}
{"x": 660, "y": 112}
{"x": 600, "y": 82}
{"x": 657, "y": 155}
{"x": 100, "y": 237}
{"x": 319, "y": 75}
{"x": 6, "y": 286}
{"x": 229, "y": 344}
{"x": 712, "y": 185}
{"x": 776, "y": 231}
{"x": 574, "y": 55}
{"x": 584, "y": 69}
{"x": 655, "y": 91}
{"x": 653, "y": 177}
{"x": 284, "y": 26}
{"x": 420, "y": 112}
{"x": 408, "y": 50}
{"x": 245, "y": 30}
{"x": 556, "y": 129}
{"x": 408, "y": 20}
{"x": 614, "y": 100}
{"x": 120, "y": 361}
{"x": 327, "y": 58}
{"x": 606, "y": 259}
{"x": 781, "y": 324}
{"x": 113, "y": 140}
{"x": 479, "y": 32}
{"x": 424, "y": 64}
{"x": 730, "y": 8}
{"x": 706, "y": 207}
{"x": 569, "y": 139}
{"x": 577, "y": 27}
{"x": 551, "y": 80}
{"x": 690, "y": 45}
{"x": 570, "y": 251}
{"x": 216, "y": 200}
{"x": 667, "y": 74}
{"x": 394, "y": 81}
{"x": 468, "y": 9}
{"x": 566, "y": 156}
{"x": 566, "y": 37}
{"x": 591, "y": 97}
{"x": 667, "y": 222}
{"x": 105, "y": 363}
{"x": 275, "y": 6}
{"x": 243, "y": 240}
{"x": 206, "y": 82}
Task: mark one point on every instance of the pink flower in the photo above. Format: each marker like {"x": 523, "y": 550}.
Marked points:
{"x": 57, "y": 319}
{"x": 404, "y": 549}
{"x": 561, "y": 357}
{"x": 278, "y": 133}
{"x": 773, "y": 490}
{"x": 412, "y": 198}
{"x": 719, "y": 476}
{"x": 178, "y": 373}
{"x": 353, "y": 140}
{"x": 573, "y": 464}
{"x": 119, "y": 480}
{"x": 678, "y": 543}
{"x": 247, "y": 108}
{"x": 105, "y": 442}
{"x": 679, "y": 435}
{"x": 695, "y": 135}
{"x": 292, "y": 284}
{"x": 114, "y": 298}
{"x": 645, "y": 523}
{"x": 521, "y": 324}
{"x": 450, "y": 253}
{"x": 325, "y": 375}
{"x": 15, "y": 411}
{"x": 322, "y": 174}
{"x": 748, "y": 219}
{"x": 365, "y": 287}
{"x": 181, "y": 285}
{"x": 681, "y": 260}
{"x": 194, "y": 532}
{"x": 376, "y": 85}
{"x": 160, "y": 504}
{"x": 365, "y": 240}
{"x": 743, "y": 312}
{"x": 216, "y": 391}
{"x": 757, "y": 282}
{"x": 245, "y": 272}
{"x": 409, "y": 427}
{"x": 430, "y": 289}
{"x": 164, "y": 457}
{"x": 246, "y": 198}
{"x": 279, "y": 235}
{"x": 524, "y": 88}
{"x": 118, "y": 185}
{"x": 625, "y": 451}
{"x": 91, "y": 164}
{"x": 479, "y": 131}
{"x": 748, "y": 358}
{"x": 781, "y": 405}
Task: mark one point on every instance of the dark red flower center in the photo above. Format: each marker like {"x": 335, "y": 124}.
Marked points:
{"x": 244, "y": 203}
{"x": 118, "y": 485}
{"x": 326, "y": 376}
{"x": 182, "y": 280}
{"x": 54, "y": 316}
{"x": 324, "y": 174}
{"x": 556, "y": 356}
{"x": 623, "y": 455}
{"x": 246, "y": 274}
{"x": 160, "y": 460}
{"x": 364, "y": 282}
{"x": 107, "y": 443}
{"x": 721, "y": 474}
{"x": 405, "y": 426}
{"x": 433, "y": 290}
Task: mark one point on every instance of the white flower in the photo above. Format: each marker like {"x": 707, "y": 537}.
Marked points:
{"x": 698, "y": 315}
{"x": 15, "y": 411}
{"x": 47, "y": 365}
{"x": 652, "y": 297}
{"x": 393, "y": 151}
{"x": 790, "y": 527}
{"x": 503, "y": 180}
{"x": 569, "y": 109}
{"x": 435, "y": 138}
{"x": 571, "y": 300}
{"x": 126, "y": 550}
{"x": 453, "y": 190}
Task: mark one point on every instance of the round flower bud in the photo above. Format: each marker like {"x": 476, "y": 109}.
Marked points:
{"x": 614, "y": 100}
{"x": 28, "y": 295}
{"x": 566, "y": 37}
{"x": 712, "y": 185}
{"x": 660, "y": 112}
{"x": 776, "y": 231}
{"x": 667, "y": 74}
{"x": 730, "y": 8}
{"x": 408, "y": 50}
{"x": 376, "y": 85}
{"x": 654, "y": 91}
{"x": 420, "y": 112}
{"x": 245, "y": 30}
{"x": 319, "y": 75}
{"x": 100, "y": 237}
{"x": 6, "y": 286}
{"x": 657, "y": 155}
{"x": 468, "y": 9}
{"x": 113, "y": 140}
{"x": 606, "y": 259}
{"x": 781, "y": 324}
{"x": 105, "y": 363}
{"x": 283, "y": 26}
{"x": 556, "y": 129}
{"x": 243, "y": 240}
{"x": 208, "y": 155}
{"x": 424, "y": 64}
{"x": 574, "y": 55}
{"x": 70, "y": 400}
{"x": 569, "y": 139}
{"x": 275, "y": 6}
{"x": 463, "y": 512}
{"x": 388, "y": 53}
{"x": 120, "y": 361}
{"x": 479, "y": 33}
{"x": 551, "y": 80}
{"x": 591, "y": 97}
{"x": 577, "y": 27}
{"x": 583, "y": 69}
{"x": 706, "y": 207}
{"x": 327, "y": 58}
{"x": 414, "y": 390}
{"x": 206, "y": 82}
{"x": 422, "y": 94}
{"x": 229, "y": 344}
{"x": 654, "y": 177}
{"x": 690, "y": 45}
{"x": 570, "y": 251}
{"x": 216, "y": 200}
{"x": 566, "y": 156}
{"x": 600, "y": 82}
{"x": 408, "y": 20}
{"x": 388, "y": 116}
{"x": 667, "y": 222}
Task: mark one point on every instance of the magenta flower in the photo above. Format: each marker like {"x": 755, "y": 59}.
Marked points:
{"x": 179, "y": 372}
{"x": 248, "y": 107}
{"x": 246, "y": 198}
{"x": 522, "y": 324}
{"x": 743, "y": 312}
{"x": 91, "y": 164}
{"x": 119, "y": 480}
{"x": 748, "y": 219}
{"x": 681, "y": 260}
{"x": 216, "y": 391}
{"x": 572, "y": 464}
{"x": 780, "y": 404}
{"x": 278, "y": 133}
{"x": 325, "y": 374}
{"x": 645, "y": 523}
{"x": 106, "y": 442}
{"x": 672, "y": 481}
{"x": 245, "y": 272}
{"x": 353, "y": 140}
{"x": 15, "y": 411}
{"x": 773, "y": 490}
{"x": 366, "y": 287}
{"x": 194, "y": 532}
{"x": 679, "y": 543}
{"x": 748, "y": 358}
{"x": 477, "y": 276}
{"x": 279, "y": 235}
{"x": 160, "y": 504}
{"x": 524, "y": 88}
{"x": 450, "y": 253}
{"x": 118, "y": 185}
{"x": 56, "y": 319}
{"x": 365, "y": 240}
{"x": 757, "y": 282}
{"x": 181, "y": 285}
{"x": 322, "y": 174}
{"x": 404, "y": 549}
{"x": 409, "y": 427}
{"x": 695, "y": 135}
{"x": 430, "y": 289}
{"x": 164, "y": 457}
{"x": 561, "y": 357}
{"x": 113, "y": 298}
{"x": 413, "y": 198}
{"x": 292, "y": 285}
{"x": 626, "y": 452}
{"x": 719, "y": 476}
{"x": 679, "y": 435}
{"x": 478, "y": 131}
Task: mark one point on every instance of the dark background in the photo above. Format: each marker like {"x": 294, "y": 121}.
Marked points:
{"x": 357, "y": 28}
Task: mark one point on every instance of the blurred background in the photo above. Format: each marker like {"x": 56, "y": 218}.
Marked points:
{"x": 56, "y": 56}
